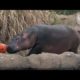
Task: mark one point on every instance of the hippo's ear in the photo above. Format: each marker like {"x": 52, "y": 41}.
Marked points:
{"x": 33, "y": 39}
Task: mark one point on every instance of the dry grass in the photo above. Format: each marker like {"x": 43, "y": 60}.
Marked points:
{"x": 14, "y": 21}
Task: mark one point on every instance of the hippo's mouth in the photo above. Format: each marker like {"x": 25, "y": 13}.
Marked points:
{"x": 12, "y": 51}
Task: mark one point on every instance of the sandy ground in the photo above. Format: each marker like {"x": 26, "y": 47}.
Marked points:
{"x": 43, "y": 61}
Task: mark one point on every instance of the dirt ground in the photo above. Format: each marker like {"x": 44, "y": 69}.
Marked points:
{"x": 43, "y": 61}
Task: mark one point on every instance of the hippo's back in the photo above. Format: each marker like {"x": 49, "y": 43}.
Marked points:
{"x": 57, "y": 30}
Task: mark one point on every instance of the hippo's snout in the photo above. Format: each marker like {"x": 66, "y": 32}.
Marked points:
{"x": 11, "y": 49}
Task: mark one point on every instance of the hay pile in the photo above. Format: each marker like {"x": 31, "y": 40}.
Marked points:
{"x": 13, "y": 22}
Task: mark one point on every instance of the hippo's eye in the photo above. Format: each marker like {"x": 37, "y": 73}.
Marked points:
{"x": 18, "y": 38}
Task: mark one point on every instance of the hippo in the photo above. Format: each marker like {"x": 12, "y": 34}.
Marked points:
{"x": 39, "y": 38}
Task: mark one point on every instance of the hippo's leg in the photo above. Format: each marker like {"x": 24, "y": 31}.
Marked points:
{"x": 74, "y": 48}
{"x": 35, "y": 50}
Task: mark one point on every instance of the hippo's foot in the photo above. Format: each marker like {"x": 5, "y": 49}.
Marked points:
{"x": 35, "y": 50}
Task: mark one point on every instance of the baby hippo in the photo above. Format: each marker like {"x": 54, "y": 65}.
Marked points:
{"x": 45, "y": 38}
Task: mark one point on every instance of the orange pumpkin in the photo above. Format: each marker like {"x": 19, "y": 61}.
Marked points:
{"x": 3, "y": 48}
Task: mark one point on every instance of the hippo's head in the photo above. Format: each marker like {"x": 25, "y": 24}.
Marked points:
{"x": 20, "y": 42}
